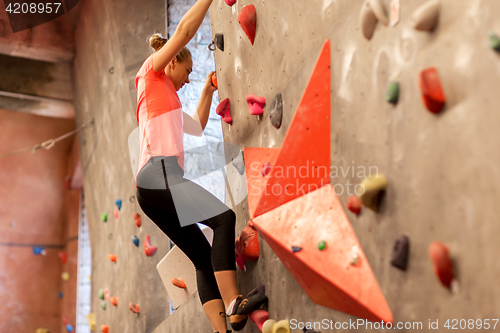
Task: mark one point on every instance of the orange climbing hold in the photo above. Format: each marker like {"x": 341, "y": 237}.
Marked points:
{"x": 105, "y": 328}
{"x": 249, "y": 244}
{"x": 137, "y": 219}
{"x": 113, "y": 300}
{"x": 135, "y": 308}
{"x": 214, "y": 80}
{"x": 301, "y": 164}
{"x": 354, "y": 204}
{"x": 224, "y": 111}
{"x": 259, "y": 317}
{"x": 112, "y": 257}
{"x": 443, "y": 266}
{"x": 248, "y": 21}
{"x": 432, "y": 91}
{"x": 148, "y": 249}
{"x": 179, "y": 283}
{"x": 327, "y": 276}
{"x": 256, "y": 105}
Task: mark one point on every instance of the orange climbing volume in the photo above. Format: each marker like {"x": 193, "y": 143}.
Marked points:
{"x": 302, "y": 164}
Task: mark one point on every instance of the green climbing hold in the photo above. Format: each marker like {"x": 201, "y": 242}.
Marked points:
{"x": 322, "y": 245}
{"x": 392, "y": 93}
{"x": 104, "y": 217}
{"x": 103, "y": 305}
{"x": 494, "y": 41}
{"x": 101, "y": 293}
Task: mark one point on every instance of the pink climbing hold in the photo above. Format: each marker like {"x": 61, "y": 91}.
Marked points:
{"x": 256, "y": 104}
{"x": 432, "y": 91}
{"x": 259, "y": 317}
{"x": 137, "y": 219}
{"x": 266, "y": 168}
{"x": 116, "y": 213}
{"x": 148, "y": 249}
{"x": 443, "y": 266}
{"x": 354, "y": 204}
{"x": 230, "y": 2}
{"x": 248, "y": 21}
{"x": 106, "y": 293}
{"x": 65, "y": 320}
{"x": 63, "y": 256}
{"x": 179, "y": 283}
{"x": 224, "y": 111}
{"x": 135, "y": 308}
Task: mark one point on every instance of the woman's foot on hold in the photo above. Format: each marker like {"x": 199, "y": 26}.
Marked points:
{"x": 243, "y": 307}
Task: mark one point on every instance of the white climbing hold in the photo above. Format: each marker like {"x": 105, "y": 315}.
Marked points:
{"x": 425, "y": 17}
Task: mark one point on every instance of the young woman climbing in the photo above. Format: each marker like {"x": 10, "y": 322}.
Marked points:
{"x": 161, "y": 169}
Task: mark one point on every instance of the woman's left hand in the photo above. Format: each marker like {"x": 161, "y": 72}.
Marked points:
{"x": 208, "y": 83}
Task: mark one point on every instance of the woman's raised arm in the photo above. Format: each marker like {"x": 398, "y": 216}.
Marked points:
{"x": 183, "y": 34}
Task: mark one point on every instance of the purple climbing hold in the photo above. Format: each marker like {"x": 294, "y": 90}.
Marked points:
{"x": 399, "y": 258}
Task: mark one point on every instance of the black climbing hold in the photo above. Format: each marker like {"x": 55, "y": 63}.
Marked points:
{"x": 219, "y": 41}
{"x": 276, "y": 113}
{"x": 260, "y": 289}
{"x": 296, "y": 249}
{"x": 111, "y": 70}
{"x": 399, "y": 257}
{"x": 132, "y": 199}
{"x": 306, "y": 330}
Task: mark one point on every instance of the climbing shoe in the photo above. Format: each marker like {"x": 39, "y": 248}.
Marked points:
{"x": 243, "y": 307}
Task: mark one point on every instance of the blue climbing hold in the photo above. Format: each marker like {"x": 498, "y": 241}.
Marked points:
{"x": 135, "y": 240}
{"x": 60, "y": 294}
{"x": 296, "y": 249}
{"x": 118, "y": 203}
{"x": 69, "y": 328}
{"x": 37, "y": 250}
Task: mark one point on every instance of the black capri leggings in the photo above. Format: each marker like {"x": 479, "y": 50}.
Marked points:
{"x": 159, "y": 184}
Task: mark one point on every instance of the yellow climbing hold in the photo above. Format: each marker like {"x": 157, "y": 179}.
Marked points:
{"x": 268, "y": 326}
{"x": 374, "y": 187}
{"x": 65, "y": 276}
{"x": 91, "y": 321}
{"x": 281, "y": 326}
{"x": 42, "y": 330}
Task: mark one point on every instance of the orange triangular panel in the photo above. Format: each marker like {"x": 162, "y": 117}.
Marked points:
{"x": 327, "y": 276}
{"x": 254, "y": 159}
{"x": 303, "y": 163}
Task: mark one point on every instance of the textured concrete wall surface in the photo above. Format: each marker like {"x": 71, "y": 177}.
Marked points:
{"x": 442, "y": 173}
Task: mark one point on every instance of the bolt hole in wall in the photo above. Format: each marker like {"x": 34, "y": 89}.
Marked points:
{"x": 199, "y": 163}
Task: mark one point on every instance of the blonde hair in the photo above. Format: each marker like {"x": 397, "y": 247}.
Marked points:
{"x": 156, "y": 41}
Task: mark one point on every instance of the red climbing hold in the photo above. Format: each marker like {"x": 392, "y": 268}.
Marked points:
{"x": 63, "y": 256}
{"x": 259, "y": 317}
{"x": 179, "y": 283}
{"x": 248, "y": 21}
{"x": 443, "y": 266}
{"x": 266, "y": 168}
{"x": 354, "y": 204}
{"x": 249, "y": 244}
{"x": 137, "y": 219}
{"x": 256, "y": 105}
{"x": 116, "y": 213}
{"x": 240, "y": 260}
{"x": 113, "y": 300}
{"x": 135, "y": 308}
{"x": 432, "y": 91}
{"x": 224, "y": 111}
{"x": 112, "y": 257}
{"x": 148, "y": 249}
{"x": 105, "y": 328}
{"x": 230, "y": 2}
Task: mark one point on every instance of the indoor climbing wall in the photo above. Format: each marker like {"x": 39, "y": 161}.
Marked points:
{"x": 412, "y": 94}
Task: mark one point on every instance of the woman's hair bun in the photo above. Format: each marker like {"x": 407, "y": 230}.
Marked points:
{"x": 156, "y": 41}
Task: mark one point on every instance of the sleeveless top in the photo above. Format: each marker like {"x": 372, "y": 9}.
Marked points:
{"x": 159, "y": 115}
